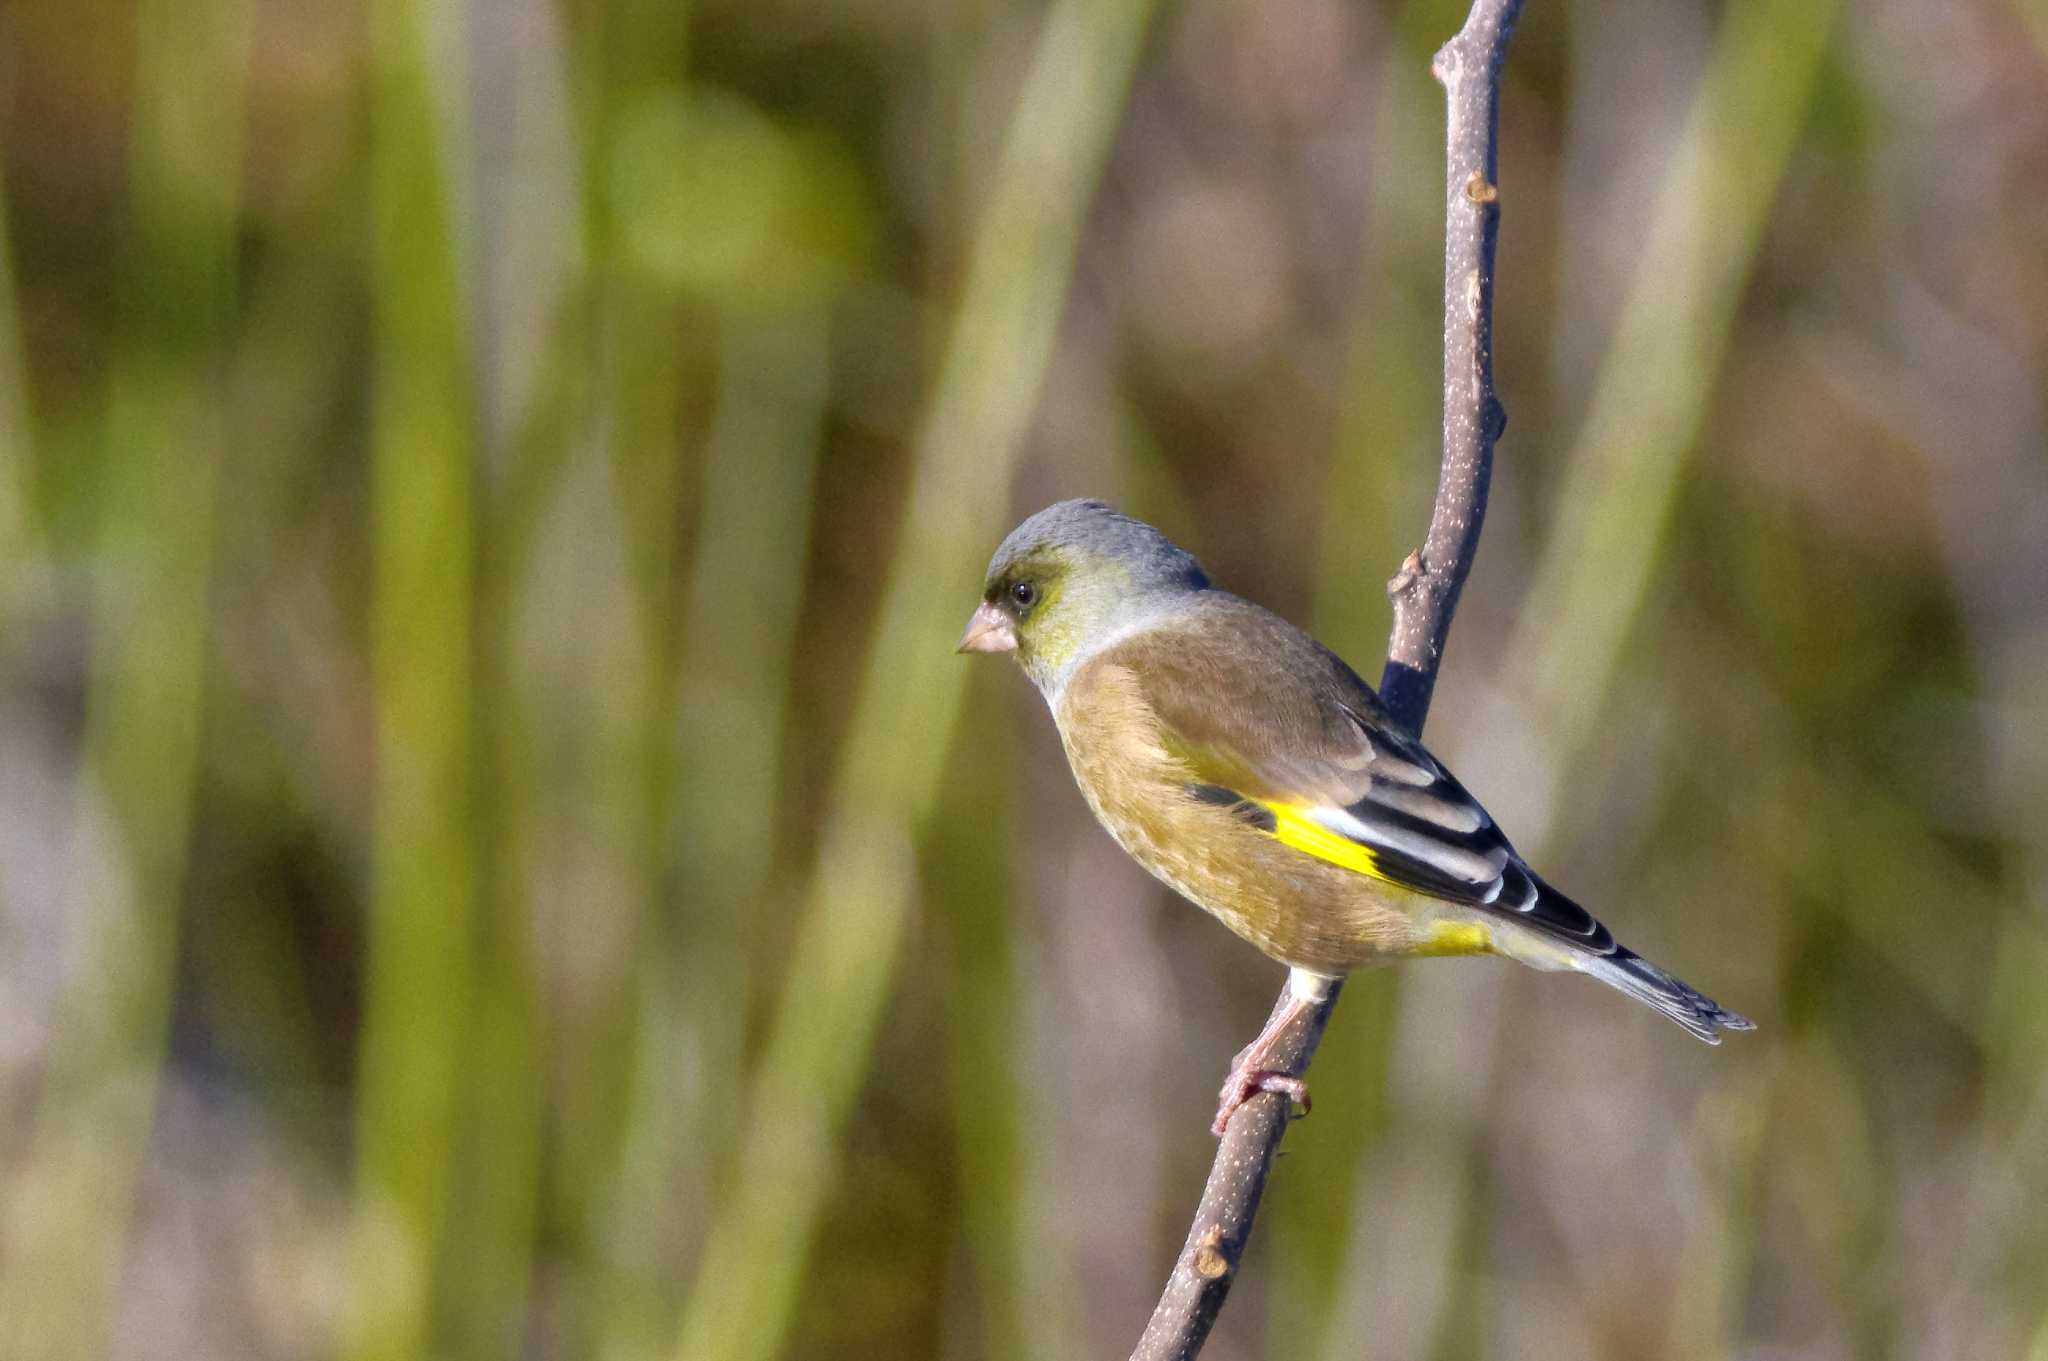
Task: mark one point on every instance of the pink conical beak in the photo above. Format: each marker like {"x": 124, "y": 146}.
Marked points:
{"x": 990, "y": 630}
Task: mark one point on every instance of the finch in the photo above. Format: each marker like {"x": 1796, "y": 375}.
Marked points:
{"x": 1248, "y": 768}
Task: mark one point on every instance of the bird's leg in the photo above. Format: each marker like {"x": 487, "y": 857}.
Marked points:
{"x": 1253, "y": 1070}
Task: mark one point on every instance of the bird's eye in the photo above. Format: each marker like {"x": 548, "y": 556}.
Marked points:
{"x": 1023, "y": 594}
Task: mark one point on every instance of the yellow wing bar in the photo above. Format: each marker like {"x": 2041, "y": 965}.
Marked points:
{"x": 1292, "y": 827}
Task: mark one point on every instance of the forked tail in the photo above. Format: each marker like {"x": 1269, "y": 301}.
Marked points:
{"x": 1556, "y": 933}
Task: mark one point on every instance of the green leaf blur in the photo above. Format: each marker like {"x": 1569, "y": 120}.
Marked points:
{"x": 498, "y": 856}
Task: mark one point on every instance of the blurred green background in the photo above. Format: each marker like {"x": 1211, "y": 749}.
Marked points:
{"x": 498, "y": 858}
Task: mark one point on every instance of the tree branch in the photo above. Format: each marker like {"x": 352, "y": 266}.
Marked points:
{"x": 1424, "y": 595}
{"x": 1425, "y": 591}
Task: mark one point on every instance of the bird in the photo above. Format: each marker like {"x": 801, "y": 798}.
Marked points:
{"x": 1248, "y": 768}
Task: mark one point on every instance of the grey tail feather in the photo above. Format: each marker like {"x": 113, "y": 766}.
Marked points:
{"x": 1644, "y": 981}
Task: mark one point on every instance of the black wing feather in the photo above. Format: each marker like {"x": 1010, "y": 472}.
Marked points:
{"x": 1412, "y": 795}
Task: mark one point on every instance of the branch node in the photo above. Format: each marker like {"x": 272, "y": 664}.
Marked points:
{"x": 1494, "y": 418}
{"x": 1412, "y": 570}
{"x": 1478, "y": 190}
{"x": 1209, "y": 1262}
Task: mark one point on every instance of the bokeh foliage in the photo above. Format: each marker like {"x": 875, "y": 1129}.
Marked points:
{"x": 497, "y": 856}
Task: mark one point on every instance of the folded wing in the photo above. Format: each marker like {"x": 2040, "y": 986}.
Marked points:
{"x": 1278, "y": 727}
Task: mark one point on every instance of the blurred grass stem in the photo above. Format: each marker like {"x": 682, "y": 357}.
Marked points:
{"x": 421, "y": 980}
{"x": 65, "y": 1234}
{"x": 16, "y": 423}
{"x": 860, "y": 894}
{"x": 1623, "y": 474}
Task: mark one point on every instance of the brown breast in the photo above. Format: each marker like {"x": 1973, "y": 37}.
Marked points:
{"x": 1297, "y": 909}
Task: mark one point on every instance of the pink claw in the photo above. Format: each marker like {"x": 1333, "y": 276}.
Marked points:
{"x": 1243, "y": 1084}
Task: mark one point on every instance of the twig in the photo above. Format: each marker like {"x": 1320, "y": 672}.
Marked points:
{"x": 1426, "y": 589}
{"x": 1223, "y": 1222}
{"x": 1424, "y": 594}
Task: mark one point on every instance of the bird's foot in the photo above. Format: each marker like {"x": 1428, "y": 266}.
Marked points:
{"x": 1244, "y": 1083}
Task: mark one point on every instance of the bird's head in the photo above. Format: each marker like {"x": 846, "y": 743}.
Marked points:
{"x": 1071, "y": 579}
